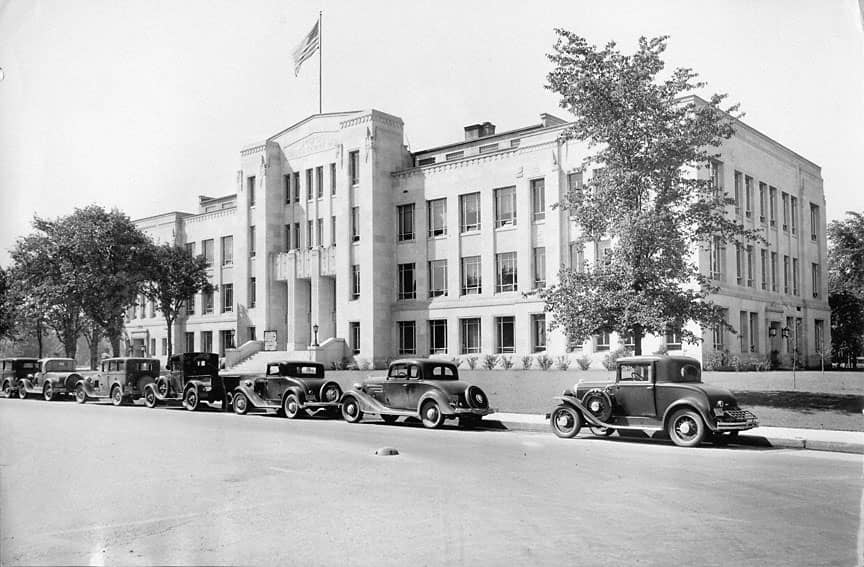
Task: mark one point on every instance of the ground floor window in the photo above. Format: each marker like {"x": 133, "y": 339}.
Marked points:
{"x": 602, "y": 341}
{"x": 354, "y": 334}
{"x": 206, "y": 341}
{"x": 165, "y": 347}
{"x": 438, "y": 337}
{"x": 819, "y": 331}
{"x": 673, "y": 339}
{"x": 190, "y": 342}
{"x": 226, "y": 340}
{"x": 470, "y": 335}
{"x": 252, "y": 334}
{"x": 505, "y": 334}
{"x": 407, "y": 337}
{"x": 538, "y": 332}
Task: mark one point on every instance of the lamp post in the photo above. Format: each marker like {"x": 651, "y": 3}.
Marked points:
{"x": 315, "y": 333}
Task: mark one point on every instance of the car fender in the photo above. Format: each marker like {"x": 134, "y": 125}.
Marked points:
{"x": 575, "y": 403}
{"x": 86, "y": 384}
{"x": 439, "y": 397}
{"x": 366, "y": 402}
{"x": 699, "y": 406}
{"x": 254, "y": 399}
{"x": 297, "y": 391}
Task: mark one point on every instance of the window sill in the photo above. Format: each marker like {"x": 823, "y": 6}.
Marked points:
{"x": 406, "y": 241}
{"x": 505, "y": 227}
{"x": 468, "y": 232}
{"x": 437, "y": 236}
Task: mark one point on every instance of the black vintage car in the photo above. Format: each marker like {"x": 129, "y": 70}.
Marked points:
{"x": 120, "y": 379}
{"x": 653, "y": 393}
{"x": 292, "y": 388}
{"x": 426, "y": 389}
{"x": 53, "y": 378}
{"x": 193, "y": 377}
{"x": 13, "y": 369}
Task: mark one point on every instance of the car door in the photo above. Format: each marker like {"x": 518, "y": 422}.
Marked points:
{"x": 634, "y": 390}
{"x": 397, "y": 385}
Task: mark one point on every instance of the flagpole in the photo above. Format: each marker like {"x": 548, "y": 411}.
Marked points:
{"x": 320, "y": 59}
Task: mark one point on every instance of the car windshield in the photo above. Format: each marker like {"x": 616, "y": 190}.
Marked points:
{"x": 59, "y": 365}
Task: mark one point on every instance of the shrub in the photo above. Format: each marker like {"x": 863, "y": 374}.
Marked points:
{"x": 563, "y": 362}
{"x": 544, "y": 361}
{"x": 584, "y": 362}
{"x": 472, "y": 361}
{"x": 365, "y": 364}
{"x": 761, "y": 363}
{"x": 341, "y": 364}
{"x": 736, "y": 363}
{"x": 662, "y": 350}
{"x": 506, "y": 362}
{"x": 457, "y": 361}
{"x": 527, "y": 361}
{"x": 490, "y": 361}
{"x": 609, "y": 359}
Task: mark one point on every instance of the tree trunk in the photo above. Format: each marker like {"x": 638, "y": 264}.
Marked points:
{"x": 39, "y": 332}
{"x": 114, "y": 331}
{"x": 637, "y": 340}
{"x": 170, "y": 323}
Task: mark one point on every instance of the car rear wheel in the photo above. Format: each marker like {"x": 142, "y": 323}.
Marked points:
{"x": 80, "y": 394}
{"x": 291, "y": 406}
{"x": 566, "y": 422}
{"x": 117, "y": 396}
{"x": 387, "y": 418}
{"x": 241, "y": 403}
{"x": 48, "y": 392}
{"x": 351, "y": 411}
{"x": 150, "y": 398}
{"x": 430, "y": 415}
{"x": 686, "y": 428}
{"x": 7, "y": 389}
{"x": 190, "y": 399}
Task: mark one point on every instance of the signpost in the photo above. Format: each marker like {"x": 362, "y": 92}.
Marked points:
{"x": 269, "y": 340}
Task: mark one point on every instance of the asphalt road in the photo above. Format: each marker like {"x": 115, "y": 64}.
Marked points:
{"x": 96, "y": 484}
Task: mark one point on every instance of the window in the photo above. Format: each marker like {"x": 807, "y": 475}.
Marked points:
{"x": 577, "y": 257}
{"x": 425, "y": 161}
{"x": 355, "y": 224}
{"x": 574, "y": 181}
{"x": 715, "y": 173}
{"x": 437, "y": 213}
{"x": 469, "y": 212}
{"x": 739, "y": 264}
{"x": 816, "y": 283}
{"x": 505, "y": 269}
{"x": 786, "y": 274}
{"x": 539, "y": 267}
{"x": 673, "y": 339}
{"x": 206, "y": 341}
{"x": 250, "y": 187}
{"x": 454, "y": 155}
{"x": 332, "y": 178}
{"x": 738, "y": 180}
{"x": 319, "y": 181}
{"x": 405, "y": 222}
{"x": 814, "y": 222}
{"x": 470, "y": 335}
{"x": 296, "y": 186}
{"x": 437, "y": 278}
{"x": 227, "y": 298}
{"x": 471, "y": 275}
{"x": 190, "y": 247}
{"x": 190, "y": 305}
{"x": 407, "y": 337}
{"x": 354, "y": 333}
{"x": 602, "y": 341}
{"x": 538, "y": 332}
{"x": 251, "y": 332}
{"x": 716, "y": 258}
{"x": 505, "y": 340}
{"x": 189, "y": 341}
{"x": 226, "y": 339}
{"x": 333, "y": 231}
{"x": 773, "y": 271}
{"x": 784, "y": 197}
{"x": 749, "y": 266}
{"x": 252, "y": 292}
{"x": 743, "y": 331}
{"x": 748, "y": 196}
{"x": 515, "y": 143}
{"x": 819, "y": 336}
{"x": 763, "y": 257}
{"x": 287, "y": 182}
{"x": 227, "y": 250}
{"x": 772, "y": 202}
{"x": 793, "y": 201}
{"x": 795, "y": 274}
{"x": 319, "y": 232}
{"x": 310, "y": 242}
{"x": 406, "y": 282}
{"x": 207, "y": 298}
{"x": 287, "y": 245}
{"x": 538, "y": 199}
{"x": 251, "y": 241}
{"x": 505, "y": 207}
{"x": 296, "y": 236}
{"x": 438, "y": 337}
{"x": 309, "y": 184}
{"x": 488, "y": 148}
{"x": 719, "y": 332}
{"x": 152, "y": 308}
{"x": 355, "y": 281}
{"x": 763, "y": 201}
{"x": 207, "y": 251}
{"x": 754, "y": 332}
{"x": 354, "y": 167}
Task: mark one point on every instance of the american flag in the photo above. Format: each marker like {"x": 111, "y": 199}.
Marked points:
{"x": 306, "y": 48}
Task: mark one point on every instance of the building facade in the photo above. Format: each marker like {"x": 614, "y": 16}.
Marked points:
{"x": 339, "y": 238}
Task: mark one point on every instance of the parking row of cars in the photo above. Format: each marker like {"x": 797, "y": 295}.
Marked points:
{"x": 649, "y": 393}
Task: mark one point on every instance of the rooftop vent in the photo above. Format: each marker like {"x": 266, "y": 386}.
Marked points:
{"x": 475, "y": 131}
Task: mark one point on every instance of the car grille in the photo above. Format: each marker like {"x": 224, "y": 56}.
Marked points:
{"x": 737, "y": 415}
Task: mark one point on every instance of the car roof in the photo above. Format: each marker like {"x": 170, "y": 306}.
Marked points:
{"x": 19, "y": 358}
{"x": 55, "y": 358}
{"x": 307, "y": 362}
{"x": 423, "y": 362}
{"x": 655, "y": 358}
{"x": 127, "y": 358}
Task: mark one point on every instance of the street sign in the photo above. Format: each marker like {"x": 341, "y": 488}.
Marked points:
{"x": 269, "y": 340}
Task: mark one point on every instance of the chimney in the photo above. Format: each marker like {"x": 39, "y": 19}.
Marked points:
{"x": 474, "y": 131}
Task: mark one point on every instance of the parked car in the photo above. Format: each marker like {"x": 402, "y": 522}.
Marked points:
{"x": 653, "y": 393}
{"x": 293, "y": 388}
{"x": 193, "y": 378}
{"x": 120, "y": 379}
{"x": 54, "y": 377}
{"x": 422, "y": 388}
{"x": 13, "y": 369}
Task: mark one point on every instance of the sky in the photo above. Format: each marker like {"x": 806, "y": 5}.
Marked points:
{"x": 143, "y": 105}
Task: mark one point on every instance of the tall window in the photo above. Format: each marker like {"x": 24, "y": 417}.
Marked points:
{"x": 296, "y": 183}
{"x": 319, "y": 232}
{"x": 438, "y": 336}
{"x": 715, "y": 174}
{"x": 749, "y": 266}
{"x": 207, "y": 300}
{"x": 437, "y": 213}
{"x": 190, "y": 341}
{"x": 739, "y": 264}
{"x": 407, "y": 337}
{"x": 354, "y": 333}
{"x": 505, "y": 336}
{"x": 251, "y": 241}
{"x": 772, "y": 202}
{"x": 207, "y": 251}
{"x": 309, "y": 189}
{"x": 718, "y": 254}
{"x": 754, "y": 332}
{"x": 719, "y": 332}
{"x": 355, "y": 281}
{"x": 539, "y": 267}
{"x": 773, "y": 271}
{"x": 190, "y": 247}
{"x": 226, "y": 340}
{"x": 190, "y": 305}
{"x": 333, "y": 231}
{"x": 437, "y": 278}
{"x": 505, "y": 269}
{"x": 795, "y": 276}
{"x": 793, "y": 203}
{"x": 814, "y": 221}
{"x": 673, "y": 339}
{"x": 253, "y": 293}
{"x": 355, "y": 224}
{"x": 471, "y": 275}
{"x": 319, "y": 181}
{"x": 250, "y": 187}
{"x": 602, "y": 341}
{"x": 763, "y": 257}
{"x": 748, "y": 196}
{"x": 287, "y": 238}
{"x": 538, "y": 332}
{"x": 227, "y": 298}
{"x": 332, "y": 178}
{"x": 763, "y": 202}
{"x": 310, "y": 242}
{"x": 407, "y": 283}
{"x": 505, "y": 207}
{"x": 538, "y": 198}
{"x": 784, "y": 197}
{"x": 577, "y": 257}
{"x": 743, "y": 331}
{"x": 469, "y": 212}
{"x": 206, "y": 341}
{"x": 470, "y": 335}
{"x": 296, "y": 236}
{"x": 786, "y": 270}
{"x": 287, "y": 182}
{"x": 405, "y": 222}
{"x": 227, "y": 250}
{"x": 738, "y": 187}
{"x": 816, "y": 275}
{"x": 354, "y": 167}
{"x": 819, "y": 336}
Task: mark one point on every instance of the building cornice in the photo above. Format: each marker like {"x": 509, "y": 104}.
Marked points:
{"x": 474, "y": 159}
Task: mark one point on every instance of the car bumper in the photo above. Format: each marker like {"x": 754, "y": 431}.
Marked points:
{"x": 316, "y": 405}
{"x": 472, "y": 411}
{"x": 740, "y": 421}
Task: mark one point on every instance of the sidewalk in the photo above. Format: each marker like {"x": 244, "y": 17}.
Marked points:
{"x": 781, "y": 437}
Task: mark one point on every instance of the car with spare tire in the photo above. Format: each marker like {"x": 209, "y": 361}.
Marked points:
{"x": 292, "y": 388}
{"x": 54, "y": 378}
{"x": 121, "y": 379}
{"x": 193, "y": 379}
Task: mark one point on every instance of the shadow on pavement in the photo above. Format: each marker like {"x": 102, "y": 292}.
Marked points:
{"x": 806, "y": 402}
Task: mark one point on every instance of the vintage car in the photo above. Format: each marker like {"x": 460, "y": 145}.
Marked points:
{"x": 13, "y": 369}
{"x": 421, "y": 388}
{"x": 54, "y": 377}
{"x": 193, "y": 378}
{"x": 292, "y": 388}
{"x": 653, "y": 393}
{"x": 120, "y": 379}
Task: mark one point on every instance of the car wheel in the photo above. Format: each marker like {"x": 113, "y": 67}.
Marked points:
{"x": 150, "y": 398}
{"x": 162, "y": 386}
{"x": 351, "y": 411}
{"x": 387, "y": 418}
{"x": 566, "y": 421}
{"x": 190, "y": 399}
{"x": 117, "y": 396}
{"x": 22, "y": 393}
{"x": 430, "y": 415}
{"x": 241, "y": 403}
{"x": 602, "y": 431}
{"x": 7, "y": 389}
{"x": 291, "y": 406}
{"x": 686, "y": 428}
{"x": 598, "y": 403}
{"x": 80, "y": 394}
{"x": 48, "y": 392}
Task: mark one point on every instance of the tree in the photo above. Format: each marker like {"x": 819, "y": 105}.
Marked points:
{"x": 175, "y": 276}
{"x": 642, "y": 198}
{"x": 7, "y": 307}
{"x": 846, "y": 287}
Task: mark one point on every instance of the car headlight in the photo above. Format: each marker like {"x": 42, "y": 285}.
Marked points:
{"x": 248, "y": 383}
{"x": 719, "y": 408}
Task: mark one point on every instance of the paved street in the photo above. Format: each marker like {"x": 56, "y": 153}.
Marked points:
{"x": 96, "y": 484}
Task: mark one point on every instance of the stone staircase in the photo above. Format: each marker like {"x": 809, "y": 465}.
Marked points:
{"x": 258, "y": 361}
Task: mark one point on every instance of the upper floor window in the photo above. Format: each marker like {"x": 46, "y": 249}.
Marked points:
{"x": 250, "y": 187}
{"x": 319, "y": 181}
{"x": 355, "y": 224}
{"x": 251, "y": 241}
{"x": 227, "y": 298}
{"x": 207, "y": 300}
{"x": 814, "y": 222}
{"x": 763, "y": 202}
{"x": 425, "y": 161}
{"x": 772, "y": 205}
{"x": 748, "y": 196}
{"x": 207, "y": 251}
{"x": 577, "y": 257}
{"x": 505, "y": 265}
{"x": 437, "y": 212}
{"x": 793, "y": 221}
{"x": 539, "y": 267}
{"x": 817, "y": 279}
{"x": 253, "y": 292}
{"x": 469, "y": 212}
{"x": 287, "y": 182}
{"x": 437, "y": 278}
{"x": 505, "y": 206}
{"x": 309, "y": 184}
{"x": 332, "y": 178}
{"x": 354, "y": 167}
{"x": 227, "y": 250}
{"x": 296, "y": 183}
{"x": 715, "y": 174}
{"x": 454, "y": 155}
{"x": 538, "y": 198}
{"x": 488, "y": 148}
{"x": 407, "y": 283}
{"x": 405, "y": 222}
{"x": 309, "y": 240}
{"x": 471, "y": 275}
{"x": 739, "y": 177}
{"x": 355, "y": 281}
{"x": 784, "y": 197}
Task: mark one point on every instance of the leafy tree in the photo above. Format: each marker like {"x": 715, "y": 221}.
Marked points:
{"x": 175, "y": 276}
{"x": 7, "y": 307}
{"x": 846, "y": 287}
{"x": 648, "y": 140}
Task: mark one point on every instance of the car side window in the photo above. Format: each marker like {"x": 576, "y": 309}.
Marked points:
{"x": 635, "y": 373}
{"x": 399, "y": 371}
{"x": 414, "y": 373}
{"x": 272, "y": 370}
